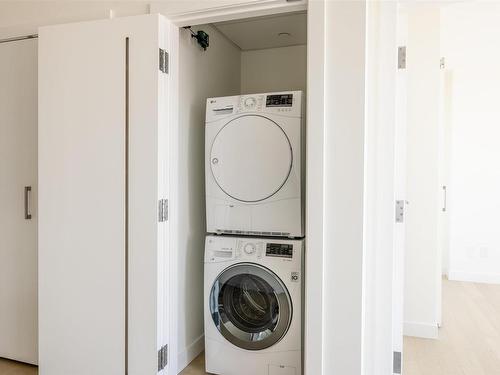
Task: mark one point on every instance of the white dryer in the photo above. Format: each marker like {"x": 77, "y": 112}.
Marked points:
{"x": 254, "y": 164}
{"x": 253, "y": 306}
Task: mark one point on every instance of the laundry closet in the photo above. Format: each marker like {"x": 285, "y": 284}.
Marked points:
{"x": 250, "y": 56}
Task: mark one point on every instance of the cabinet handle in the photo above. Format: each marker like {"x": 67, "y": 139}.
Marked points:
{"x": 445, "y": 203}
{"x": 27, "y": 202}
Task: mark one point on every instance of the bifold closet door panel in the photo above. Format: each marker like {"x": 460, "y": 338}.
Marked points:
{"x": 81, "y": 200}
{"x": 99, "y": 189}
{"x": 18, "y": 191}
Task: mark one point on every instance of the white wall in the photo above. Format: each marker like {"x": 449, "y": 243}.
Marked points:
{"x": 274, "y": 69}
{"x": 344, "y": 140}
{"x": 470, "y": 39}
{"x": 422, "y": 257}
{"x": 203, "y": 74}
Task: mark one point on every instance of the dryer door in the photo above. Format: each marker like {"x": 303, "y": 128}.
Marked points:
{"x": 251, "y": 158}
{"x": 250, "y": 306}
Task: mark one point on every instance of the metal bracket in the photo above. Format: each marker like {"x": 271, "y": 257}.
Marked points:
{"x": 162, "y": 210}
{"x": 400, "y": 211}
{"x": 162, "y": 357}
{"x": 402, "y": 57}
{"x": 163, "y": 66}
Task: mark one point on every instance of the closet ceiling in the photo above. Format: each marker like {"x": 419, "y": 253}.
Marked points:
{"x": 266, "y": 32}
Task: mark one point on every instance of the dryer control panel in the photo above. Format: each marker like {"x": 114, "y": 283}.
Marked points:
{"x": 287, "y": 103}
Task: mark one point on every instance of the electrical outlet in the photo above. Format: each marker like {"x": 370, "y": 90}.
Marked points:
{"x": 484, "y": 252}
{"x": 471, "y": 252}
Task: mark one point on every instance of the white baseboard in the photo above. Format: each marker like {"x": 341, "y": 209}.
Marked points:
{"x": 487, "y": 278}
{"x": 190, "y": 352}
{"x": 422, "y": 330}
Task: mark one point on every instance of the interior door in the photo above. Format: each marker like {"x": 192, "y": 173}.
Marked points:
{"x": 400, "y": 194}
{"x": 446, "y": 93}
{"x": 18, "y": 201}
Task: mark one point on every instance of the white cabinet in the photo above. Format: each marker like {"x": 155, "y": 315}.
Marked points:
{"x": 104, "y": 112}
{"x": 18, "y": 190}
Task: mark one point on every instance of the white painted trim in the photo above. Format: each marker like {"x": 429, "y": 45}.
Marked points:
{"x": 422, "y": 330}
{"x": 229, "y": 12}
{"x": 185, "y": 357}
{"x": 315, "y": 125}
{"x": 474, "y": 277}
{"x": 174, "y": 214}
{"x": 343, "y": 166}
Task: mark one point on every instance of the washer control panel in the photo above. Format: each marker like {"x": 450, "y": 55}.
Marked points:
{"x": 252, "y": 249}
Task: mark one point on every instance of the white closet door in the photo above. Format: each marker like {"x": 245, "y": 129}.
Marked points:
{"x": 102, "y": 171}
{"x": 18, "y": 170}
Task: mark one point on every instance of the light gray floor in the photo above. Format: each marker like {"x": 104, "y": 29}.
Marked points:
{"x": 197, "y": 367}
{"x": 469, "y": 339}
{"x": 15, "y": 368}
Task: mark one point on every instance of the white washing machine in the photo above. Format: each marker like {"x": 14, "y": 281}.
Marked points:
{"x": 253, "y": 306}
{"x": 254, "y": 164}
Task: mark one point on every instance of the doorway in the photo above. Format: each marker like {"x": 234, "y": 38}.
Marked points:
{"x": 451, "y": 263}
{"x": 245, "y": 56}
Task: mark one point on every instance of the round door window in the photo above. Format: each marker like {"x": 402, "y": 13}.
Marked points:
{"x": 250, "y": 306}
{"x": 251, "y": 158}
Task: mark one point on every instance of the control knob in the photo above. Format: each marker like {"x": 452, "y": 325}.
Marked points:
{"x": 249, "y": 248}
{"x": 250, "y": 102}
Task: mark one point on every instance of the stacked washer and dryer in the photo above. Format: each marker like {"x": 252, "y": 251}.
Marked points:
{"x": 254, "y": 252}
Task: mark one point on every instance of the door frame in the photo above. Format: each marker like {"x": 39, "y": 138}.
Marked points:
{"x": 315, "y": 105}
{"x": 323, "y": 353}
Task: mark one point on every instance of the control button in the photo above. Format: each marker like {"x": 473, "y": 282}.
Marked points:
{"x": 249, "y": 248}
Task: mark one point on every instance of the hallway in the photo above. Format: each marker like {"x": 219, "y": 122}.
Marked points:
{"x": 469, "y": 340}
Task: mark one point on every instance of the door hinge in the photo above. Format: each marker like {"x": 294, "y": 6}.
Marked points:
{"x": 162, "y": 210}
{"x": 163, "y": 61}
{"x": 402, "y": 57}
{"x": 400, "y": 211}
{"x": 162, "y": 357}
{"x": 442, "y": 63}
{"x": 396, "y": 363}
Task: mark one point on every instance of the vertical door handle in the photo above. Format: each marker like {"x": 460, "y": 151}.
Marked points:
{"x": 444, "y": 199}
{"x": 27, "y": 202}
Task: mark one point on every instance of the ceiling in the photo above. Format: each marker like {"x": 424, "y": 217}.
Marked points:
{"x": 264, "y": 32}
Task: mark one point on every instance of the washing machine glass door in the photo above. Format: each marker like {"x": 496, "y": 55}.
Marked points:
{"x": 250, "y": 306}
{"x": 251, "y": 158}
